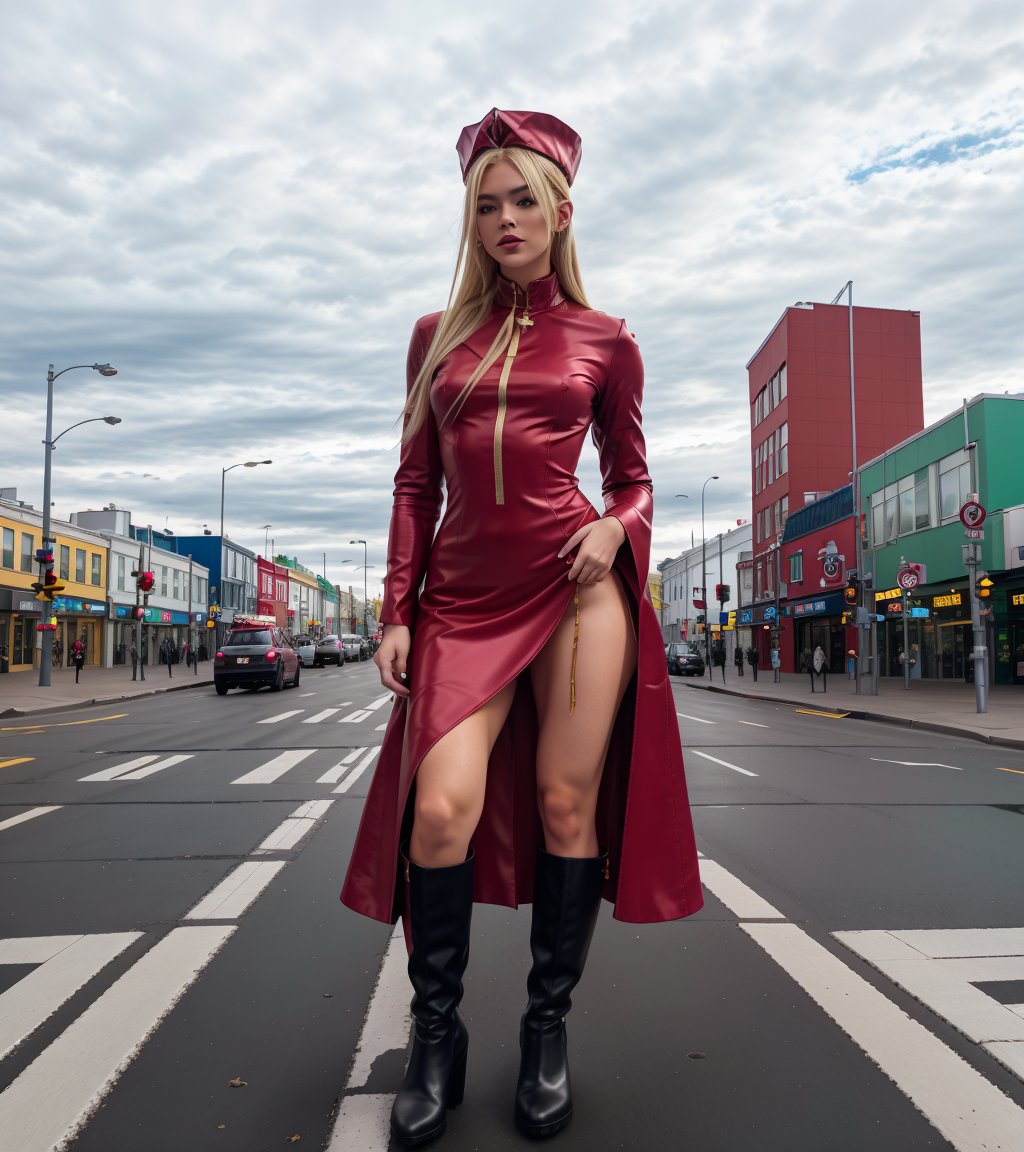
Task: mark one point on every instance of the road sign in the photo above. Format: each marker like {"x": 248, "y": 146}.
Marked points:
{"x": 972, "y": 515}
{"x": 974, "y": 533}
{"x": 907, "y": 577}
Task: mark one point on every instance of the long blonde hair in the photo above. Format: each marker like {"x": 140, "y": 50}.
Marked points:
{"x": 476, "y": 277}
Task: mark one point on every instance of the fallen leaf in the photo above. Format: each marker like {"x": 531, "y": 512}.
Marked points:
{"x": 238, "y": 1082}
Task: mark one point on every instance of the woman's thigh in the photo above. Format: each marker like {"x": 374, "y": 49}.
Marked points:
{"x": 572, "y": 747}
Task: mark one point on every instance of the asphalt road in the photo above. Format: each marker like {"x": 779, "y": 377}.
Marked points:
{"x": 169, "y": 871}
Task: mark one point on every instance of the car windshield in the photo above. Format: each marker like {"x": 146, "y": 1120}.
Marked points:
{"x": 249, "y": 636}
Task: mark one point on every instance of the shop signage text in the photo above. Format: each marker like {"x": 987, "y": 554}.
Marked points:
{"x": 889, "y": 594}
{"x": 951, "y": 600}
{"x": 1017, "y": 599}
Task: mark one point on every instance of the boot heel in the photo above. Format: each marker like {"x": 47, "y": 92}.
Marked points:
{"x": 457, "y": 1081}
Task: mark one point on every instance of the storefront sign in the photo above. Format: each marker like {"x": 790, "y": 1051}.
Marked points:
{"x": 79, "y": 607}
{"x": 1017, "y": 599}
{"x": 746, "y": 616}
{"x": 951, "y": 600}
{"x": 894, "y": 608}
{"x": 889, "y": 594}
{"x": 153, "y": 615}
{"x": 810, "y": 608}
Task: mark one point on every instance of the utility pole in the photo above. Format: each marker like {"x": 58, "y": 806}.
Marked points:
{"x": 139, "y": 613}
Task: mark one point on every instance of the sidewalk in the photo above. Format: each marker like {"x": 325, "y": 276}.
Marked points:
{"x": 20, "y": 693}
{"x": 931, "y": 705}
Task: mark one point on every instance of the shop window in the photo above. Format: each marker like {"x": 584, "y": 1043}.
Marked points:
{"x": 80, "y": 565}
{"x": 97, "y": 569}
{"x": 120, "y": 573}
{"x": 890, "y": 515}
{"x": 796, "y": 568}
{"x": 954, "y": 484}
{"x": 906, "y": 503}
{"x": 163, "y": 579}
{"x": 922, "y": 500}
{"x": 28, "y": 546}
{"x": 177, "y": 584}
{"x": 8, "y": 553}
{"x": 65, "y": 562}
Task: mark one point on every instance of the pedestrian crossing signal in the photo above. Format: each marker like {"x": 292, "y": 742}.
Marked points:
{"x": 851, "y": 595}
{"x": 983, "y": 588}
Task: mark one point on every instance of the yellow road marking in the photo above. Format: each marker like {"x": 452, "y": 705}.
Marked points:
{"x": 830, "y": 715}
{"x": 1016, "y": 771}
{"x": 64, "y": 724}
{"x": 18, "y": 760}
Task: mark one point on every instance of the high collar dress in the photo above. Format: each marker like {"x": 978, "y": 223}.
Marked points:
{"x": 483, "y": 594}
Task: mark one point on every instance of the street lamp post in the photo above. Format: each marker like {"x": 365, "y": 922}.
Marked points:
{"x": 366, "y": 630}
{"x": 704, "y": 578}
{"x": 223, "y": 473}
{"x": 686, "y": 601}
{"x": 46, "y": 649}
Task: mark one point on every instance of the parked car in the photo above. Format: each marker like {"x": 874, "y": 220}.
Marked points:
{"x": 329, "y": 651}
{"x": 366, "y": 648}
{"x": 254, "y": 655}
{"x": 352, "y": 646}
{"x": 305, "y": 649}
{"x": 684, "y": 660}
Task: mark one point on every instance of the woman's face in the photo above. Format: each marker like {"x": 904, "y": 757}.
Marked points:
{"x": 511, "y": 226}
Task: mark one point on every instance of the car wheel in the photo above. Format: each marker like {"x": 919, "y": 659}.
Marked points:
{"x": 298, "y": 673}
{"x": 222, "y": 689}
{"x": 278, "y": 683}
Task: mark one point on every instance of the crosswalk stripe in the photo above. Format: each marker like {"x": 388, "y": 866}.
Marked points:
{"x": 290, "y": 831}
{"x": 355, "y": 717}
{"x": 333, "y": 775}
{"x": 49, "y": 1100}
{"x": 230, "y": 898}
{"x": 320, "y": 716}
{"x": 359, "y": 769}
{"x": 269, "y": 772}
{"x": 141, "y": 773}
{"x": 113, "y": 773}
{"x": 30, "y": 815}
{"x": 684, "y": 716}
{"x": 724, "y": 763}
{"x": 66, "y": 963}
{"x": 378, "y": 703}
{"x": 280, "y": 716}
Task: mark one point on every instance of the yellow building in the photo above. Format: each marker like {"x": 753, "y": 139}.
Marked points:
{"x": 79, "y": 562}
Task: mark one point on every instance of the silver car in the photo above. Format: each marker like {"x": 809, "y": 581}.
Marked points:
{"x": 305, "y": 649}
{"x": 352, "y": 646}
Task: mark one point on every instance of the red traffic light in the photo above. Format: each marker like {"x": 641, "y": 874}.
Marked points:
{"x": 851, "y": 595}
{"x": 145, "y": 581}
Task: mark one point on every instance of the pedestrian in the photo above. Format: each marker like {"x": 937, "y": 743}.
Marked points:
{"x": 753, "y": 659}
{"x": 172, "y": 655}
{"x": 718, "y": 653}
{"x": 807, "y": 665}
{"x": 78, "y": 657}
{"x": 531, "y": 664}
{"x": 821, "y": 666}
{"x": 737, "y": 659}
{"x": 134, "y": 654}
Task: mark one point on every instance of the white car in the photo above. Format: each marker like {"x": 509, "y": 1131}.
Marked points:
{"x": 305, "y": 649}
{"x": 352, "y": 647}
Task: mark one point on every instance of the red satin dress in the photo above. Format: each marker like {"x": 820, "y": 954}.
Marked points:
{"x": 494, "y": 590}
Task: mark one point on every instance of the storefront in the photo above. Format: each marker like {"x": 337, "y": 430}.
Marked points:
{"x": 159, "y": 625}
{"x": 77, "y": 619}
{"x": 822, "y": 621}
{"x": 1013, "y": 642}
{"x": 939, "y": 645}
{"x": 19, "y": 615}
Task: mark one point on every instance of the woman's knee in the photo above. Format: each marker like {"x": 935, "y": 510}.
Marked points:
{"x": 566, "y": 812}
{"x": 442, "y": 818}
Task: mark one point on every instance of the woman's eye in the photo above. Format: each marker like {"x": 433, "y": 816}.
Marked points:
{"x": 526, "y": 202}
{"x": 485, "y": 209}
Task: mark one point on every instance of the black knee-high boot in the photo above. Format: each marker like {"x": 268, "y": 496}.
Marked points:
{"x": 440, "y": 906}
{"x": 566, "y": 899}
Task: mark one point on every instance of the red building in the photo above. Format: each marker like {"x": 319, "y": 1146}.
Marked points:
{"x": 272, "y": 590}
{"x": 801, "y": 425}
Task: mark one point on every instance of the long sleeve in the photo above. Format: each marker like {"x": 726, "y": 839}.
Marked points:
{"x": 618, "y": 433}
{"x": 418, "y": 499}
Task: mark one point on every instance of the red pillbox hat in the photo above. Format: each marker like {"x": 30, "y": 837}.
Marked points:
{"x": 534, "y": 130}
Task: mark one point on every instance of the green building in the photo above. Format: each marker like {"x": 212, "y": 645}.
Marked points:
{"x": 910, "y": 499}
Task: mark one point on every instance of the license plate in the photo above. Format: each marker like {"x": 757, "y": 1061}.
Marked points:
{"x": 242, "y": 660}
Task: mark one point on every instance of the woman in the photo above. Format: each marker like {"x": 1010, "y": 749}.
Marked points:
{"x": 516, "y": 743}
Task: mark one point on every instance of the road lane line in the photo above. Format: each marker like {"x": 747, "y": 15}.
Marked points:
{"x": 751, "y": 724}
{"x": 359, "y": 769}
{"x": 735, "y": 895}
{"x": 230, "y": 898}
{"x": 829, "y": 715}
{"x": 66, "y": 963}
{"x": 280, "y": 716}
{"x": 16, "y": 760}
{"x": 381, "y": 728}
{"x": 31, "y": 814}
{"x": 290, "y": 831}
{"x": 915, "y": 763}
{"x": 269, "y": 772}
{"x": 303, "y": 695}
{"x": 64, "y": 723}
{"x": 1015, "y": 771}
{"x": 697, "y": 718}
{"x": 113, "y": 773}
{"x": 379, "y": 703}
{"x": 715, "y": 760}
{"x": 967, "y": 1109}
{"x": 320, "y": 716}
{"x": 50, "y": 1100}
{"x": 333, "y": 775}
{"x": 355, "y": 717}
{"x": 142, "y": 773}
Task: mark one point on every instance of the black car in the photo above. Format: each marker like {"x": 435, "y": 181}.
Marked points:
{"x": 683, "y": 660}
{"x": 253, "y": 656}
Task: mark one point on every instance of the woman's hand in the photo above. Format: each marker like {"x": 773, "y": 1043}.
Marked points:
{"x": 598, "y": 542}
{"x": 392, "y": 658}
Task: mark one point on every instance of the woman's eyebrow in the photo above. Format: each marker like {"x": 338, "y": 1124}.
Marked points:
{"x": 512, "y": 192}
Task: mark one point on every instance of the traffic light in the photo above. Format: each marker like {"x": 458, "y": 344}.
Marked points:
{"x": 144, "y": 581}
{"x": 49, "y": 587}
{"x": 723, "y": 593}
{"x": 983, "y": 586}
{"x": 851, "y": 594}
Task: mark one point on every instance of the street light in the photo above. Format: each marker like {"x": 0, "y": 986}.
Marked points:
{"x": 223, "y": 473}
{"x": 366, "y": 629}
{"x": 266, "y": 538}
{"x": 46, "y": 650}
{"x": 704, "y": 578}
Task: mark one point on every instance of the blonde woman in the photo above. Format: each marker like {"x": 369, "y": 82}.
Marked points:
{"x": 532, "y": 755}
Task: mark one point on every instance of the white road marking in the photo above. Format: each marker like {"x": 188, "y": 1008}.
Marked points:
{"x": 290, "y": 831}
{"x": 269, "y": 772}
{"x": 715, "y": 760}
{"x": 379, "y": 703}
{"x": 113, "y": 773}
{"x": 380, "y": 728}
{"x": 303, "y": 695}
{"x": 915, "y": 763}
{"x": 751, "y": 724}
{"x": 159, "y": 766}
{"x": 345, "y": 703}
{"x": 355, "y": 717}
{"x": 965, "y": 1107}
{"x": 320, "y": 716}
{"x": 333, "y": 775}
{"x": 230, "y": 898}
{"x": 280, "y": 716}
{"x": 359, "y": 769}
{"x": 30, "y": 815}
{"x": 364, "y": 1120}
{"x": 696, "y": 718}
{"x": 66, "y": 963}
{"x": 735, "y": 895}
{"x": 48, "y": 1102}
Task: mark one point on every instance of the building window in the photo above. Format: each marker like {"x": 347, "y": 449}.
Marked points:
{"x": 80, "y": 565}
{"x": 954, "y": 484}
{"x": 163, "y": 579}
{"x": 796, "y": 568}
{"x": 65, "y": 561}
{"x": 177, "y": 584}
{"x": 8, "y": 556}
{"x": 120, "y": 573}
{"x": 28, "y": 547}
{"x": 922, "y": 500}
{"x": 97, "y": 568}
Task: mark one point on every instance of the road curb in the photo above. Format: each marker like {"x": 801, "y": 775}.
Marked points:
{"x": 19, "y": 713}
{"x": 879, "y": 717}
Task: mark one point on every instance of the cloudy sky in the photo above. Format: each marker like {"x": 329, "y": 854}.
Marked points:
{"x": 245, "y": 206}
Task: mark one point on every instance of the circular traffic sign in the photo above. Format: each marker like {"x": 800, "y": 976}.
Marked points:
{"x": 972, "y": 515}
{"x": 907, "y": 578}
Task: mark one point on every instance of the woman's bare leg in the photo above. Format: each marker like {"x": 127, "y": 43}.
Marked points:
{"x": 450, "y": 785}
{"x": 571, "y": 750}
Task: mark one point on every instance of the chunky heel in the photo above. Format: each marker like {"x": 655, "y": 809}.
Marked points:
{"x": 457, "y": 1081}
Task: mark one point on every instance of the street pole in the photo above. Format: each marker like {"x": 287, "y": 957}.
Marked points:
{"x": 366, "y": 628}
{"x": 138, "y": 614}
{"x": 46, "y": 644}
{"x": 704, "y": 577}
{"x": 972, "y": 557}
{"x": 906, "y": 633}
{"x": 777, "y": 664}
